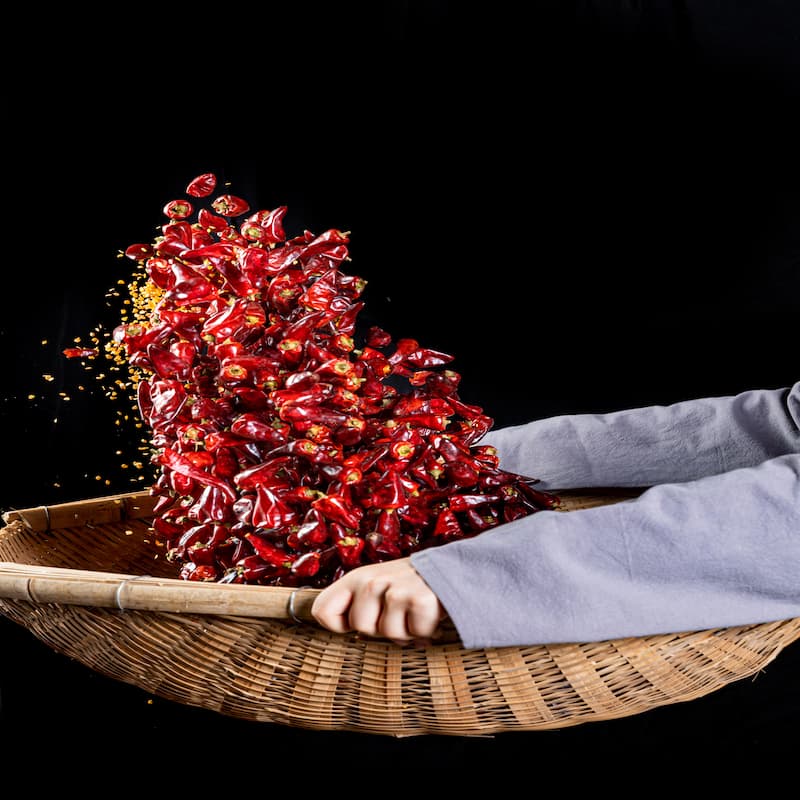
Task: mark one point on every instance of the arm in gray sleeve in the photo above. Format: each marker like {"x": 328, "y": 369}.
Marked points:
{"x": 653, "y": 444}
{"x": 720, "y": 551}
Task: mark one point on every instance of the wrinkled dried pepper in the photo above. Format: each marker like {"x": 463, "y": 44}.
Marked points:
{"x": 291, "y": 445}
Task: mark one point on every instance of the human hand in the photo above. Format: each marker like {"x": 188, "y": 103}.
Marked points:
{"x": 388, "y": 599}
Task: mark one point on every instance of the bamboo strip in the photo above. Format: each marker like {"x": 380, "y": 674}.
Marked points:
{"x": 520, "y": 693}
{"x": 584, "y": 679}
{"x": 89, "y": 588}
{"x": 449, "y": 701}
{"x": 114, "y": 508}
{"x": 380, "y": 700}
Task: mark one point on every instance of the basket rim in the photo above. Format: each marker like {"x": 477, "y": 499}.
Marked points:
{"x": 269, "y": 667}
{"x": 41, "y": 584}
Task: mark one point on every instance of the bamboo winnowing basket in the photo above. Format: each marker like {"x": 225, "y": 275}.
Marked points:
{"x": 86, "y": 579}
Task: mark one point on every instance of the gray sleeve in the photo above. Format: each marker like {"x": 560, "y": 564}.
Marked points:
{"x": 719, "y": 551}
{"x": 653, "y": 444}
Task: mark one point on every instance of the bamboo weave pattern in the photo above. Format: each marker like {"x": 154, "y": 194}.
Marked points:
{"x": 280, "y": 671}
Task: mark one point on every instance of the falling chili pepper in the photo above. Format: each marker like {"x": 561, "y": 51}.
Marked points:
{"x": 229, "y": 205}
{"x": 203, "y": 185}
{"x": 81, "y": 352}
{"x": 291, "y": 445}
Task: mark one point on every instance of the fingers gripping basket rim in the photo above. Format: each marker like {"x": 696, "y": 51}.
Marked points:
{"x": 81, "y": 577}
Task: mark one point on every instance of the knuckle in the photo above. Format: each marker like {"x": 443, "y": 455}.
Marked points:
{"x": 374, "y": 586}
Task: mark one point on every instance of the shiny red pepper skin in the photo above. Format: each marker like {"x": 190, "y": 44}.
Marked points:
{"x": 316, "y": 414}
{"x": 388, "y": 492}
{"x": 479, "y": 522}
{"x": 181, "y": 465}
{"x": 251, "y": 425}
{"x": 203, "y": 185}
{"x": 307, "y": 564}
{"x": 381, "y": 548}
{"x": 339, "y": 508}
{"x": 205, "y": 552}
{"x": 270, "y": 511}
{"x": 462, "y": 474}
{"x": 229, "y": 205}
{"x": 378, "y": 337}
{"x": 447, "y": 525}
{"x": 268, "y": 552}
{"x": 178, "y": 209}
{"x": 465, "y": 502}
{"x": 198, "y": 572}
{"x": 81, "y": 352}
{"x": 271, "y": 222}
{"x": 254, "y": 569}
{"x": 388, "y": 525}
{"x": 264, "y": 474}
{"x": 137, "y": 252}
{"x": 168, "y": 365}
{"x": 313, "y": 532}
{"x": 350, "y": 549}
{"x": 221, "y": 439}
{"x": 212, "y": 506}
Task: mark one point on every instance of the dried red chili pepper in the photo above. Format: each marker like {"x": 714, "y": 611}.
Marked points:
{"x": 307, "y": 564}
{"x": 265, "y": 473}
{"x": 203, "y": 185}
{"x": 339, "y": 508}
{"x": 212, "y": 506}
{"x": 198, "y": 572}
{"x": 350, "y": 549}
{"x": 479, "y": 522}
{"x": 378, "y": 337}
{"x": 465, "y": 502}
{"x": 268, "y": 552}
{"x": 229, "y": 205}
{"x": 176, "y": 239}
{"x": 388, "y": 525}
{"x": 183, "y": 466}
{"x": 388, "y": 491}
{"x": 167, "y": 364}
{"x": 189, "y": 285}
{"x": 462, "y": 474}
{"x": 380, "y": 548}
{"x": 137, "y": 252}
{"x": 81, "y": 352}
{"x": 270, "y": 511}
{"x": 178, "y": 209}
{"x": 321, "y": 292}
{"x": 313, "y": 532}
{"x": 211, "y": 222}
{"x": 447, "y": 525}
{"x": 272, "y": 419}
{"x": 204, "y": 551}
{"x": 425, "y": 357}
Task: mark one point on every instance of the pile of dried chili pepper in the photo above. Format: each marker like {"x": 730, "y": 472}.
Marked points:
{"x": 290, "y": 445}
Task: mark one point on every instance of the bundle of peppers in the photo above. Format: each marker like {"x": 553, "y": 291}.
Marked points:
{"x": 290, "y": 445}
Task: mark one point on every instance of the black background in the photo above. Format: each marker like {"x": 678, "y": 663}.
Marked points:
{"x": 594, "y": 205}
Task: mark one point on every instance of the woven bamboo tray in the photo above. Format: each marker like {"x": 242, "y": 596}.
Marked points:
{"x": 83, "y": 578}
